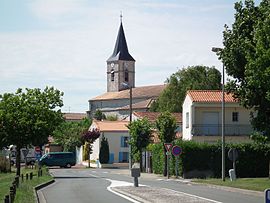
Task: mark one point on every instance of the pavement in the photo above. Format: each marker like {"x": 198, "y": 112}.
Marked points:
{"x": 149, "y": 194}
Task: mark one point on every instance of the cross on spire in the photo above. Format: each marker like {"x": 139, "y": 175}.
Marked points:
{"x": 121, "y": 16}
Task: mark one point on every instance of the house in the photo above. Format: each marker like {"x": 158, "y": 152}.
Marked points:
{"x": 117, "y": 135}
{"x": 74, "y": 117}
{"x": 120, "y": 73}
{"x": 152, "y": 117}
{"x": 202, "y": 117}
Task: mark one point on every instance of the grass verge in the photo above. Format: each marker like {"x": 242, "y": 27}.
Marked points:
{"x": 257, "y": 184}
{"x": 25, "y": 191}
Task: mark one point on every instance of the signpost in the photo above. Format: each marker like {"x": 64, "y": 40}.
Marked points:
{"x": 168, "y": 147}
{"x": 233, "y": 156}
{"x": 176, "y": 151}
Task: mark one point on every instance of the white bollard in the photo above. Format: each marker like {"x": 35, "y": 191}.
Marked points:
{"x": 232, "y": 174}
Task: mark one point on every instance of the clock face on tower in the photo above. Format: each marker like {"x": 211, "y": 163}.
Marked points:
{"x": 112, "y": 65}
{"x": 126, "y": 65}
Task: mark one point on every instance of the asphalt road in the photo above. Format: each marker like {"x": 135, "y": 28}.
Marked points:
{"x": 95, "y": 185}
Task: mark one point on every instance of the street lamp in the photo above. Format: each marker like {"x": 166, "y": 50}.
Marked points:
{"x": 130, "y": 120}
{"x": 218, "y": 50}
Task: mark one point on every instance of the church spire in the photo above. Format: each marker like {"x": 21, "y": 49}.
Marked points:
{"x": 120, "y": 51}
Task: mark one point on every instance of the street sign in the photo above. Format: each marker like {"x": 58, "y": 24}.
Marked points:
{"x": 176, "y": 150}
{"x": 168, "y": 146}
{"x": 233, "y": 154}
{"x": 267, "y": 195}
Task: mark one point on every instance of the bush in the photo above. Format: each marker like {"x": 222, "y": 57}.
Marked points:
{"x": 104, "y": 152}
{"x": 253, "y": 159}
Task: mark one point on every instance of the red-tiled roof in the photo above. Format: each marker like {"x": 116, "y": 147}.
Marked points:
{"x": 152, "y": 116}
{"x": 137, "y": 92}
{"x": 74, "y": 116}
{"x": 111, "y": 126}
{"x": 210, "y": 96}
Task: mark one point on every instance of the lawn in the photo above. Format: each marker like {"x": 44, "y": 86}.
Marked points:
{"x": 25, "y": 191}
{"x": 258, "y": 184}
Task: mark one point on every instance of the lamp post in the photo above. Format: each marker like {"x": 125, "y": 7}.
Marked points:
{"x": 216, "y": 50}
{"x": 130, "y": 120}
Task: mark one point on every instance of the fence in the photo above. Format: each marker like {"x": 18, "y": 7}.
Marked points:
{"x": 9, "y": 198}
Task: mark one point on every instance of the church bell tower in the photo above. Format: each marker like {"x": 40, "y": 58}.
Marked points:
{"x": 121, "y": 65}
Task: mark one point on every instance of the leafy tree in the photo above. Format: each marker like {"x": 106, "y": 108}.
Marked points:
{"x": 104, "y": 152}
{"x": 246, "y": 56}
{"x": 190, "y": 78}
{"x": 166, "y": 125}
{"x": 89, "y": 137}
{"x": 68, "y": 134}
{"x": 29, "y": 117}
{"x": 112, "y": 117}
{"x": 140, "y": 131}
{"x": 99, "y": 115}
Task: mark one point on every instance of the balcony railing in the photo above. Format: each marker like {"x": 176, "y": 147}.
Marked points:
{"x": 215, "y": 130}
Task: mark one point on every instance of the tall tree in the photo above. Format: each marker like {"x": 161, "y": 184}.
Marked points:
{"x": 68, "y": 134}
{"x": 246, "y": 56}
{"x": 89, "y": 137}
{"x": 29, "y": 117}
{"x": 166, "y": 125}
{"x": 140, "y": 131}
{"x": 190, "y": 78}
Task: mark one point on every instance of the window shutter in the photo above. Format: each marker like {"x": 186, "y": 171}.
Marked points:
{"x": 120, "y": 156}
{"x": 122, "y": 142}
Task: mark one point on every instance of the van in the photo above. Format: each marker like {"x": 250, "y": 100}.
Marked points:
{"x": 62, "y": 159}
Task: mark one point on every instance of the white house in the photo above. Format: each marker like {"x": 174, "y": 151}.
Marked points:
{"x": 202, "y": 117}
{"x": 117, "y": 134}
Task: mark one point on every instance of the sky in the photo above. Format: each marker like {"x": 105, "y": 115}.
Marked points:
{"x": 65, "y": 43}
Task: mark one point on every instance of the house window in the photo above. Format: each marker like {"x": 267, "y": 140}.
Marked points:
{"x": 126, "y": 75}
{"x": 235, "y": 116}
{"x": 124, "y": 141}
{"x": 187, "y": 120}
{"x": 112, "y": 75}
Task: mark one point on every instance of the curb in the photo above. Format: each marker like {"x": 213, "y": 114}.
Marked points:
{"x": 41, "y": 199}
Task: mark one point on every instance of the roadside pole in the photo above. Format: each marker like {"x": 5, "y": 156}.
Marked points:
{"x": 168, "y": 147}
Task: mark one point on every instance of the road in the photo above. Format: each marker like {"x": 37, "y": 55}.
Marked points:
{"x": 97, "y": 186}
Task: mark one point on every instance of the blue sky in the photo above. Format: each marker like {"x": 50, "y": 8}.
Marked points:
{"x": 65, "y": 43}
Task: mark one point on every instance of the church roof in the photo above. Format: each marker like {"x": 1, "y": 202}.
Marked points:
{"x": 145, "y": 104}
{"x": 109, "y": 126}
{"x": 137, "y": 92}
{"x": 120, "y": 51}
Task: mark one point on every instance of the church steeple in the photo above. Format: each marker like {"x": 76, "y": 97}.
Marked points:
{"x": 120, "y": 51}
{"x": 121, "y": 65}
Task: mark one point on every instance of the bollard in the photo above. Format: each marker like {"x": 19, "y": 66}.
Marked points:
{"x": 6, "y": 199}
{"x": 31, "y": 176}
{"x": 17, "y": 178}
{"x": 27, "y": 176}
{"x": 40, "y": 172}
{"x": 135, "y": 173}
{"x": 14, "y": 189}
{"x": 11, "y": 193}
{"x": 22, "y": 177}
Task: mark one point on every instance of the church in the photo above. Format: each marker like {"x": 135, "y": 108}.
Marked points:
{"x": 121, "y": 85}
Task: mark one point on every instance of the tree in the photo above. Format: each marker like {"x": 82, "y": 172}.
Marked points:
{"x": 166, "y": 125}
{"x": 29, "y": 117}
{"x": 89, "y": 137}
{"x": 140, "y": 131}
{"x": 246, "y": 56}
{"x": 99, "y": 115}
{"x": 190, "y": 78}
{"x": 104, "y": 152}
{"x": 68, "y": 134}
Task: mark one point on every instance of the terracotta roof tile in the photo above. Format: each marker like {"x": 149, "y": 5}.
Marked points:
{"x": 152, "y": 116}
{"x": 139, "y": 105}
{"x": 110, "y": 126}
{"x": 210, "y": 96}
{"x": 74, "y": 116}
{"x": 137, "y": 92}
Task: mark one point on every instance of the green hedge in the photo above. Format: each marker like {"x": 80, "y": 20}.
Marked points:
{"x": 253, "y": 159}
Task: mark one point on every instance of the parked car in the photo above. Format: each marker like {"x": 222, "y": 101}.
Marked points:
{"x": 27, "y": 155}
{"x": 62, "y": 159}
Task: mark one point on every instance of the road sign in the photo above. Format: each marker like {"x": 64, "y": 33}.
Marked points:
{"x": 233, "y": 154}
{"x": 176, "y": 150}
{"x": 267, "y": 195}
{"x": 168, "y": 146}
{"x": 37, "y": 149}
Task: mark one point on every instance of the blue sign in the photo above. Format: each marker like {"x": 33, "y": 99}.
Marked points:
{"x": 267, "y": 195}
{"x": 176, "y": 150}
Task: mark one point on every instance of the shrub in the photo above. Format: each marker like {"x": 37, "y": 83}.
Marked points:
{"x": 4, "y": 164}
{"x": 104, "y": 152}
